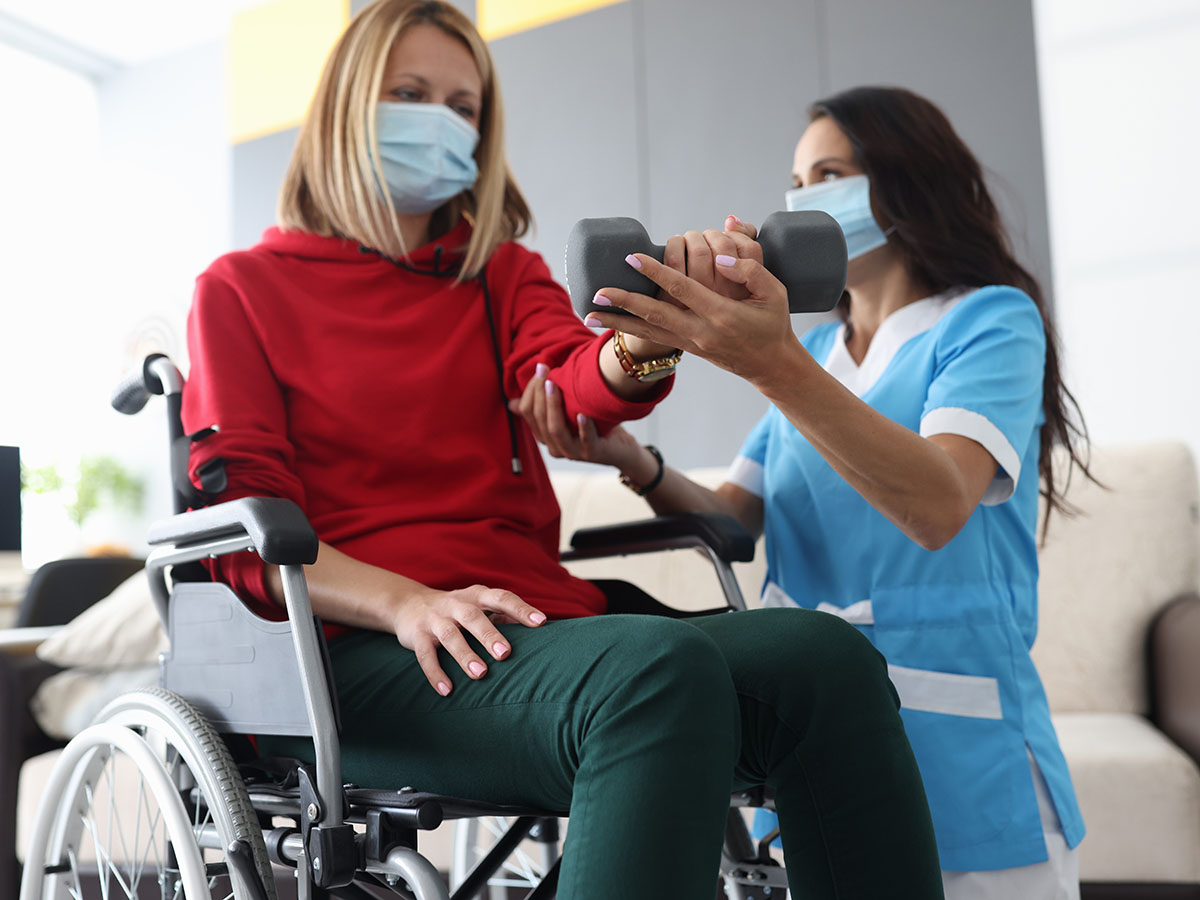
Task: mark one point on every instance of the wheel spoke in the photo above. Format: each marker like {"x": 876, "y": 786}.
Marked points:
{"x": 137, "y": 834}
{"x": 129, "y": 854}
{"x": 130, "y": 858}
{"x": 76, "y": 891}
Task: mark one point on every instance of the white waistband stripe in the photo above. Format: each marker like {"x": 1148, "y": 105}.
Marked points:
{"x": 774, "y": 595}
{"x": 859, "y": 613}
{"x": 974, "y": 696}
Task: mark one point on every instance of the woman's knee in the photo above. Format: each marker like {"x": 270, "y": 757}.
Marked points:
{"x": 798, "y": 656}
{"x": 673, "y": 672}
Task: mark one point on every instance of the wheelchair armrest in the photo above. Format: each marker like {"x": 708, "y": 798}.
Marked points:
{"x": 722, "y": 533}
{"x": 280, "y": 532}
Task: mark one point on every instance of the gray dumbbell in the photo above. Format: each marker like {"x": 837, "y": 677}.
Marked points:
{"x": 806, "y": 250}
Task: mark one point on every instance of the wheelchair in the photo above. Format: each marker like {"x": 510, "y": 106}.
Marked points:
{"x": 163, "y": 795}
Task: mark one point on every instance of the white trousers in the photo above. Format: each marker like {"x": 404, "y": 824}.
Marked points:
{"x": 1055, "y": 879}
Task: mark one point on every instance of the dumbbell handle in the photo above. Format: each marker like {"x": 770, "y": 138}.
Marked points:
{"x": 806, "y": 250}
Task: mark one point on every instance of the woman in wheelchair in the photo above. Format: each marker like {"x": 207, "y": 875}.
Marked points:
{"x": 359, "y": 361}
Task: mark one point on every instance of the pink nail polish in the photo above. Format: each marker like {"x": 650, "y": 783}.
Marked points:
{"x": 581, "y": 418}
{"x": 537, "y": 618}
{"x": 499, "y": 649}
{"x": 601, "y": 300}
{"x": 541, "y": 371}
{"x": 736, "y": 219}
{"x": 593, "y": 322}
{"x": 443, "y": 688}
{"x": 549, "y": 388}
{"x": 477, "y": 668}
{"x": 723, "y": 260}
{"x": 633, "y": 261}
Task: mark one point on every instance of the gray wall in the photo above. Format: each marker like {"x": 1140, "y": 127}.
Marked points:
{"x": 679, "y": 112}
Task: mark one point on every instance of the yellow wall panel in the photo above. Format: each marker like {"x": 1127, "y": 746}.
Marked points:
{"x": 497, "y": 18}
{"x": 276, "y": 51}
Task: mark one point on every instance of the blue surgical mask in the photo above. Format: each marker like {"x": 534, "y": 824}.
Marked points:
{"x": 848, "y": 200}
{"x": 426, "y": 152}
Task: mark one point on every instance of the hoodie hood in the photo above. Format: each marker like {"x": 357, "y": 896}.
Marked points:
{"x": 437, "y": 256}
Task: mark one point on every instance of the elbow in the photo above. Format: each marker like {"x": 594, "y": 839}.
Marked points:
{"x": 939, "y": 527}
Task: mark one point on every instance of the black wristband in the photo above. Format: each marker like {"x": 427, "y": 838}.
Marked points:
{"x": 653, "y": 483}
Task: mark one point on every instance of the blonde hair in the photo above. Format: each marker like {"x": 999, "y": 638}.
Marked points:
{"x": 332, "y": 183}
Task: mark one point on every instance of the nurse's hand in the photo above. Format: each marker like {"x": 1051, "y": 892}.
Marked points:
{"x": 749, "y": 337}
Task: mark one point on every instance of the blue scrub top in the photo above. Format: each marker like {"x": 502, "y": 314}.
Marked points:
{"x": 956, "y": 625}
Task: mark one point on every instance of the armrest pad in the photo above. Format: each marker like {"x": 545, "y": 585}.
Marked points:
{"x": 280, "y": 532}
{"x": 723, "y": 533}
{"x": 1174, "y": 655}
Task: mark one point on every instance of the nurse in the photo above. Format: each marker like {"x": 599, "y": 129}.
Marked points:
{"x": 896, "y": 473}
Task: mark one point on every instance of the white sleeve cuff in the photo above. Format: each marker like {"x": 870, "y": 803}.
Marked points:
{"x": 746, "y": 474}
{"x": 968, "y": 424}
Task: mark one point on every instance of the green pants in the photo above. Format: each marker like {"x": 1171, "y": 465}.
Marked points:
{"x": 640, "y": 727}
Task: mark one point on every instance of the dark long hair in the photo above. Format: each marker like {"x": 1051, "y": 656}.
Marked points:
{"x": 929, "y": 186}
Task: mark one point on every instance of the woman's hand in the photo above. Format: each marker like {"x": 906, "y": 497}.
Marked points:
{"x": 429, "y": 619}
{"x": 749, "y": 337}
{"x": 542, "y": 407}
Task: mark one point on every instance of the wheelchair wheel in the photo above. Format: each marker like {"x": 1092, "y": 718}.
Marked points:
{"x": 523, "y": 869}
{"x": 144, "y": 802}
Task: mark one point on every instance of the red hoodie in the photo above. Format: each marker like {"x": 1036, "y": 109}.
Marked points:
{"x": 368, "y": 393}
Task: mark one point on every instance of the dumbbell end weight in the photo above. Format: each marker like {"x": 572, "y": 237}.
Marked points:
{"x": 806, "y": 250}
{"x": 595, "y": 259}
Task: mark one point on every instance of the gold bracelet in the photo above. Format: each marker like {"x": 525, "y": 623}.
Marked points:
{"x": 648, "y": 371}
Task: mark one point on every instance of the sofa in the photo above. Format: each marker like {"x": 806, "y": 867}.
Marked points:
{"x": 1118, "y": 649}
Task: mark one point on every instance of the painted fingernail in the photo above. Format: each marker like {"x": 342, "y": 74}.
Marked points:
{"x": 499, "y": 649}
{"x": 581, "y": 418}
{"x": 549, "y": 388}
{"x": 537, "y": 618}
{"x": 633, "y": 261}
{"x": 723, "y": 260}
{"x": 736, "y": 219}
{"x": 541, "y": 371}
{"x": 477, "y": 668}
{"x": 601, "y": 300}
{"x": 593, "y": 322}
{"x": 443, "y": 688}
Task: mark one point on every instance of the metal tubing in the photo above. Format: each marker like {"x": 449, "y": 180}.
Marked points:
{"x": 733, "y": 593}
{"x": 168, "y": 375}
{"x": 316, "y": 694}
{"x": 159, "y": 559}
{"x": 729, "y": 585}
{"x": 486, "y": 867}
{"x": 422, "y": 878}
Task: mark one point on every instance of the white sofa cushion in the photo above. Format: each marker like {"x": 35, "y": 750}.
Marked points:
{"x": 1106, "y": 572}
{"x": 109, "y": 648}
{"x": 121, "y": 630}
{"x": 1140, "y": 798}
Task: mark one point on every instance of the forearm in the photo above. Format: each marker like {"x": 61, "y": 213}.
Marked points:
{"x": 344, "y": 590}
{"x": 676, "y": 493}
{"x": 910, "y": 480}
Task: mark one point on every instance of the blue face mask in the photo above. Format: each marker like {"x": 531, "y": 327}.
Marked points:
{"x": 848, "y": 200}
{"x": 426, "y": 153}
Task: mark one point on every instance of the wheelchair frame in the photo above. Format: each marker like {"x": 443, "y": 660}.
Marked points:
{"x": 202, "y": 798}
